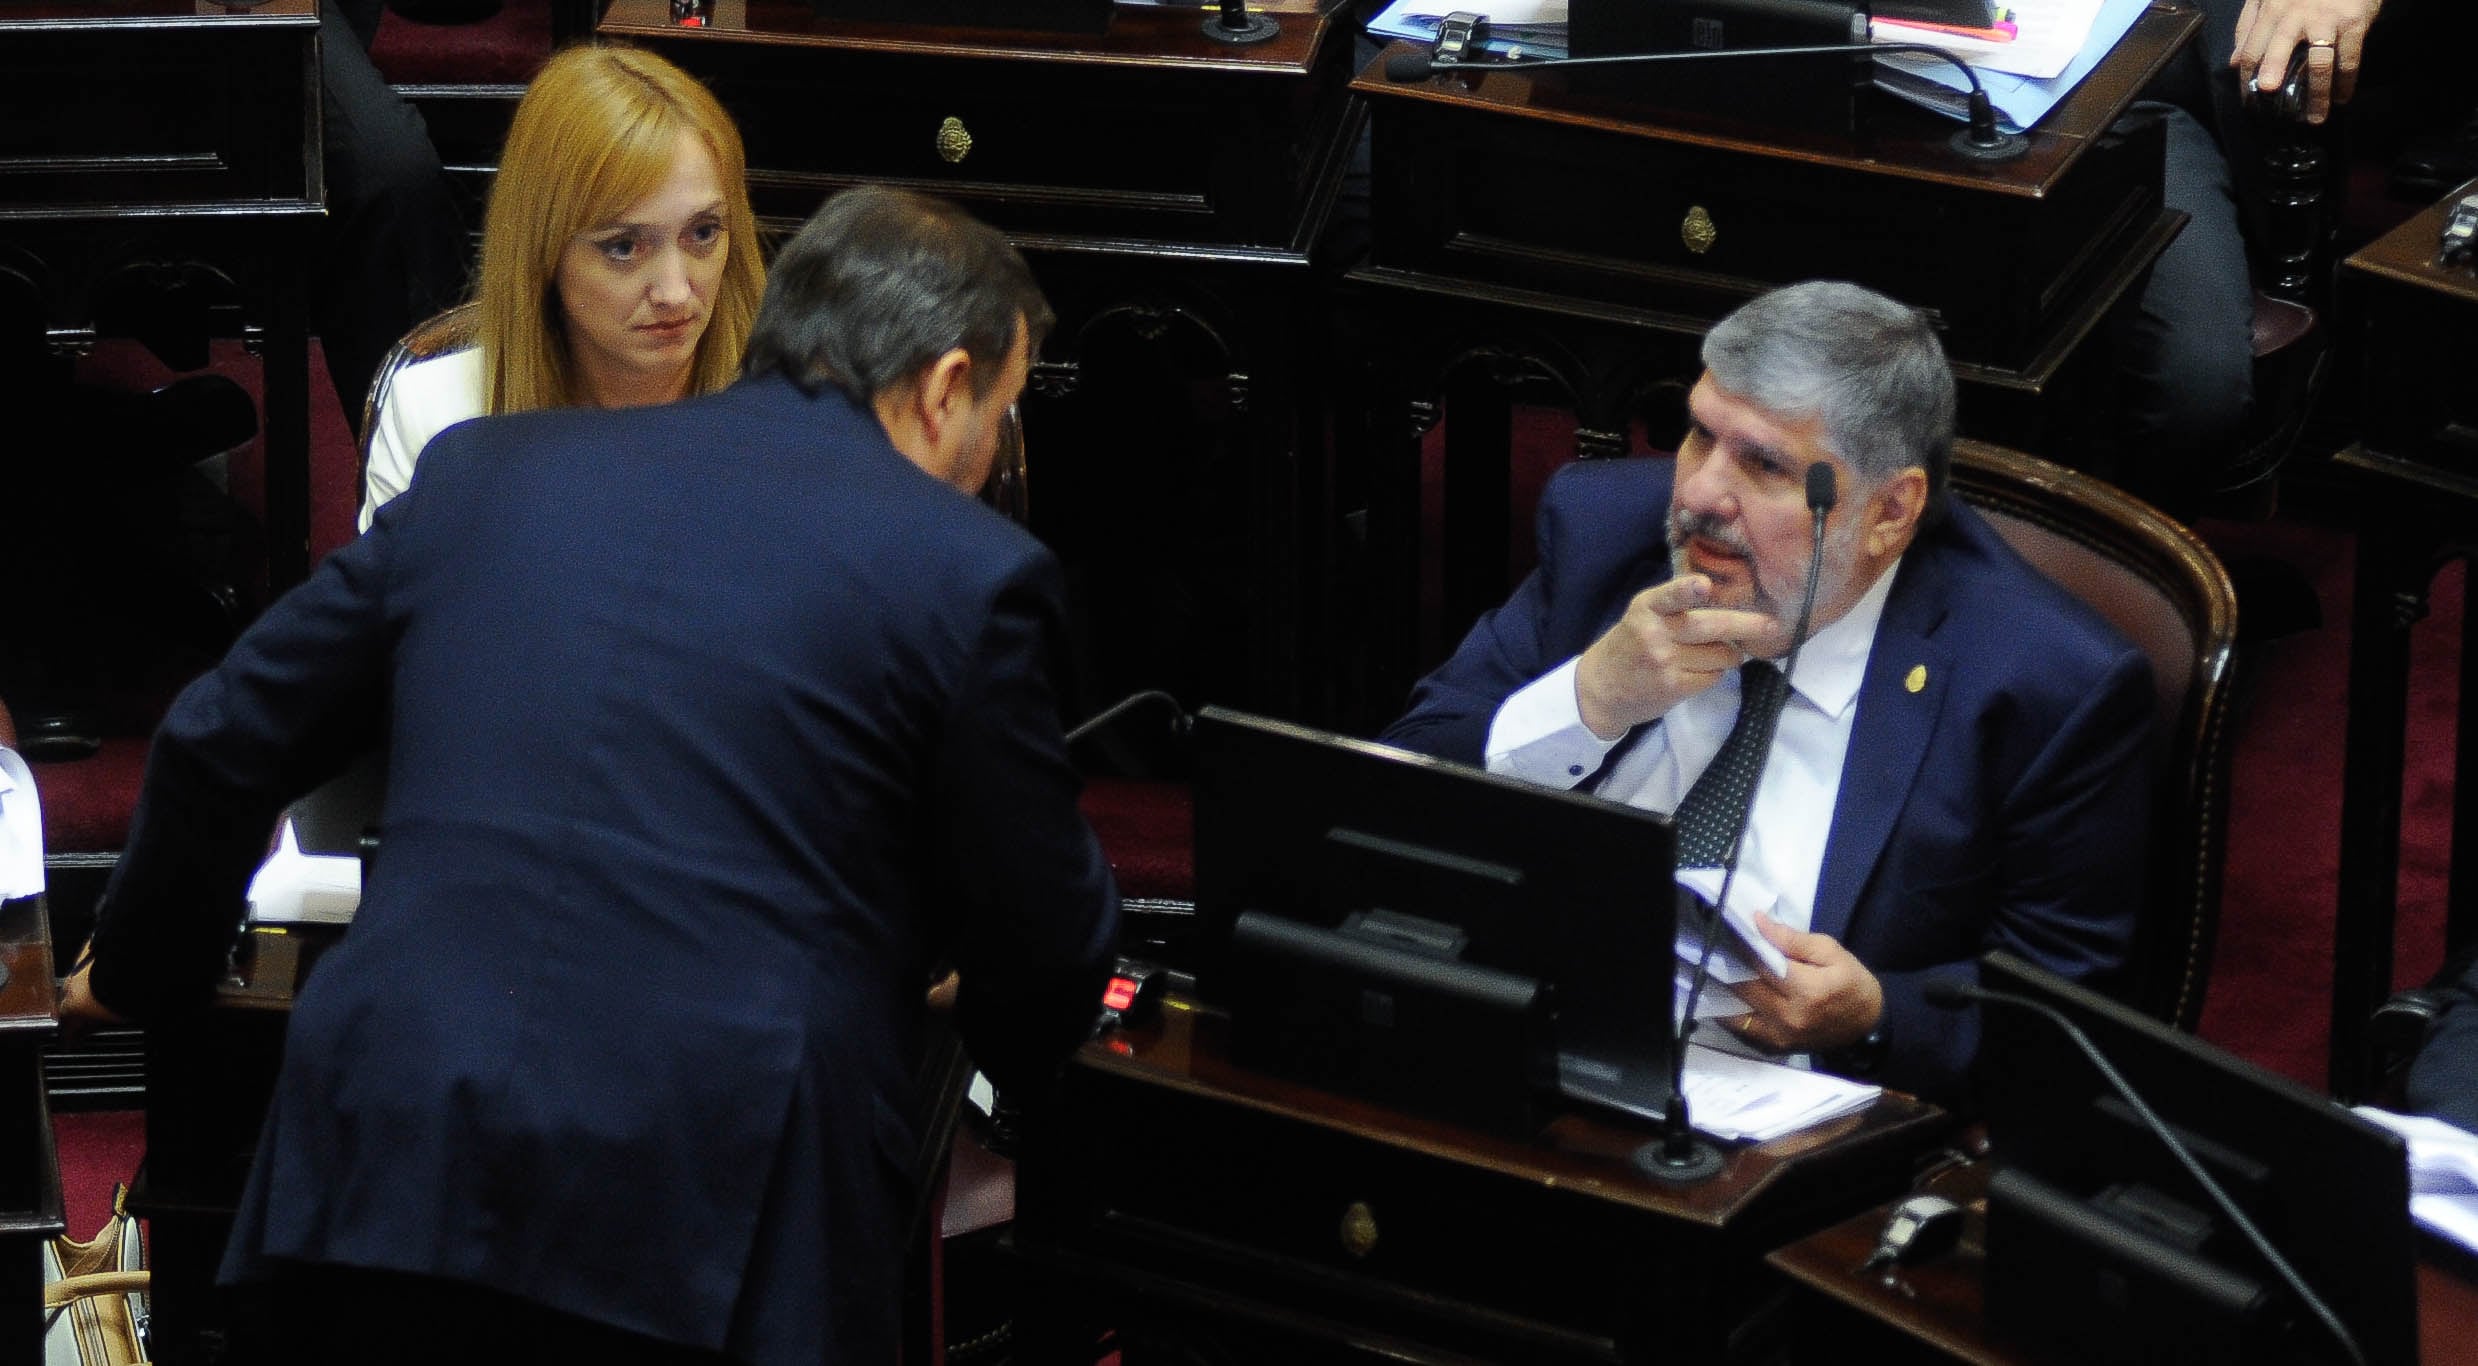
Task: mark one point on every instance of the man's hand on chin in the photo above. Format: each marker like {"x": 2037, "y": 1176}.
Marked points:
{"x": 1828, "y": 999}
{"x": 1668, "y": 647}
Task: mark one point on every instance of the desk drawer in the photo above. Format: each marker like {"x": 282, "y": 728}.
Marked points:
{"x": 1033, "y": 146}
{"x": 242, "y": 127}
{"x": 2420, "y": 340}
{"x": 1693, "y": 230}
{"x": 1315, "y": 1222}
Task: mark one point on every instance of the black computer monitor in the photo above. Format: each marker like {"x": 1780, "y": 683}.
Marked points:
{"x": 2099, "y": 1242}
{"x": 1426, "y": 933}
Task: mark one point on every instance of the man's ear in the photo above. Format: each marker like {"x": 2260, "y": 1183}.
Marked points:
{"x": 944, "y": 386}
{"x": 1893, "y": 513}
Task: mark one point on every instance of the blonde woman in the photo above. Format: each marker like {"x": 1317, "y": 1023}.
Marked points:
{"x": 620, "y": 264}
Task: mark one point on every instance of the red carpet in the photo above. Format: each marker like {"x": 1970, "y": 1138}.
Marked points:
{"x": 2270, "y": 998}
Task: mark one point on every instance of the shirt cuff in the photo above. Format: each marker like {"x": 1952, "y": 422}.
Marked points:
{"x": 1538, "y": 733}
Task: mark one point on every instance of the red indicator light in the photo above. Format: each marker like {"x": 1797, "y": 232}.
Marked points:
{"x": 1121, "y": 993}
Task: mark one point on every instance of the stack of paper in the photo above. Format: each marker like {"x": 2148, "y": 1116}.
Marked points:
{"x": 294, "y": 888}
{"x": 2021, "y": 97}
{"x": 2443, "y": 1174}
{"x": 1741, "y": 948}
{"x": 1734, "y": 1097}
{"x": 1517, "y": 28}
{"x": 2048, "y": 35}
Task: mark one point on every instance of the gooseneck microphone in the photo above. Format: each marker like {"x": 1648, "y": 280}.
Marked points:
{"x": 1982, "y": 140}
{"x": 1679, "y": 1155}
{"x": 1948, "y": 993}
{"x": 1180, "y": 721}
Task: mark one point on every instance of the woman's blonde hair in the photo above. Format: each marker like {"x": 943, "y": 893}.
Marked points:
{"x": 595, "y": 133}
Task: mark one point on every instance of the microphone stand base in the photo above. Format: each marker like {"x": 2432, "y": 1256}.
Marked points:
{"x": 1700, "y": 1162}
{"x": 1258, "y": 29}
{"x": 2007, "y": 147}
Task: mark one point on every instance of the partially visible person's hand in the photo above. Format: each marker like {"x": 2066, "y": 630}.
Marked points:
{"x": 80, "y": 1013}
{"x": 1828, "y": 998}
{"x": 1668, "y": 647}
{"x": 942, "y": 992}
{"x": 2269, "y": 30}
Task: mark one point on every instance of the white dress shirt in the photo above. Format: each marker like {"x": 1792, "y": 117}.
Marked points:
{"x": 1538, "y": 735}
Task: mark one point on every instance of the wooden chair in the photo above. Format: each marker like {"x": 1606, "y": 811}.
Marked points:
{"x": 2158, "y": 584}
{"x": 452, "y": 330}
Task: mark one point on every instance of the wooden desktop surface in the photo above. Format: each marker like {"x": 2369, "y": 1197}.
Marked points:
{"x": 1945, "y": 1310}
{"x": 1186, "y": 1050}
{"x": 1180, "y": 1196}
{"x": 1900, "y": 141}
{"x": 1136, "y": 36}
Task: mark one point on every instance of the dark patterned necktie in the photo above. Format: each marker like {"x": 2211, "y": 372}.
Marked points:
{"x": 1708, "y": 819}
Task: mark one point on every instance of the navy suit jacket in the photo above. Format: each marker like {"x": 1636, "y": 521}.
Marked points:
{"x": 2001, "y": 804}
{"x": 711, "y": 727}
{"x": 2443, "y": 1078}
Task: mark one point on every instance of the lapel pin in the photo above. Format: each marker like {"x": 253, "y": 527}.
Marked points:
{"x": 1917, "y": 678}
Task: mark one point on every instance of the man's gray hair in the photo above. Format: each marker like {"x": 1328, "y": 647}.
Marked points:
{"x": 1870, "y": 368}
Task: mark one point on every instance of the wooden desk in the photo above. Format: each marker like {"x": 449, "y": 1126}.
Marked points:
{"x": 2419, "y": 467}
{"x": 1176, "y": 1196}
{"x": 167, "y": 137}
{"x": 1946, "y": 1321}
{"x": 30, "y": 1208}
{"x": 209, "y": 1078}
{"x": 1171, "y": 193}
{"x": 1535, "y": 243}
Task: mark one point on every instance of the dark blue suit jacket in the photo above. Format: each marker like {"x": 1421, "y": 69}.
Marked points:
{"x": 711, "y": 727}
{"x": 2001, "y": 805}
{"x": 2443, "y": 1079}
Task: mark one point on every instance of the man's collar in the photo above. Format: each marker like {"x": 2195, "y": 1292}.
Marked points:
{"x": 1833, "y": 663}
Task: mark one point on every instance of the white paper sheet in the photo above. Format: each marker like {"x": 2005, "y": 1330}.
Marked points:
{"x": 2020, "y": 100}
{"x": 21, "y": 829}
{"x": 293, "y": 888}
{"x": 2443, "y": 1174}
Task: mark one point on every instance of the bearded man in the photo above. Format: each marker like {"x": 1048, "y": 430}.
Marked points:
{"x": 1961, "y": 759}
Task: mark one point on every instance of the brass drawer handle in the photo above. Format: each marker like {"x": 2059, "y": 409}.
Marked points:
{"x": 1359, "y": 1230}
{"x": 1697, "y": 231}
{"x": 954, "y": 141}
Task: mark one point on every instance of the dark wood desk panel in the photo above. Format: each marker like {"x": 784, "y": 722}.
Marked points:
{"x": 209, "y": 1077}
{"x": 1171, "y": 194}
{"x": 173, "y": 134}
{"x": 1544, "y": 246}
{"x": 2418, "y": 461}
{"x": 1520, "y": 180}
{"x": 1177, "y": 1195}
{"x": 30, "y": 1203}
{"x": 1945, "y": 1318}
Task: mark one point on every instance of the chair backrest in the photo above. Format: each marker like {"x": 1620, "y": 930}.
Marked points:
{"x": 1010, "y": 479}
{"x": 452, "y": 330}
{"x": 2159, "y": 585}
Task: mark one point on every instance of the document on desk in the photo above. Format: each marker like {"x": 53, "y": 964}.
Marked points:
{"x": 1536, "y": 28}
{"x": 294, "y": 888}
{"x": 2443, "y": 1174}
{"x": 2020, "y": 99}
{"x": 1734, "y": 1097}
